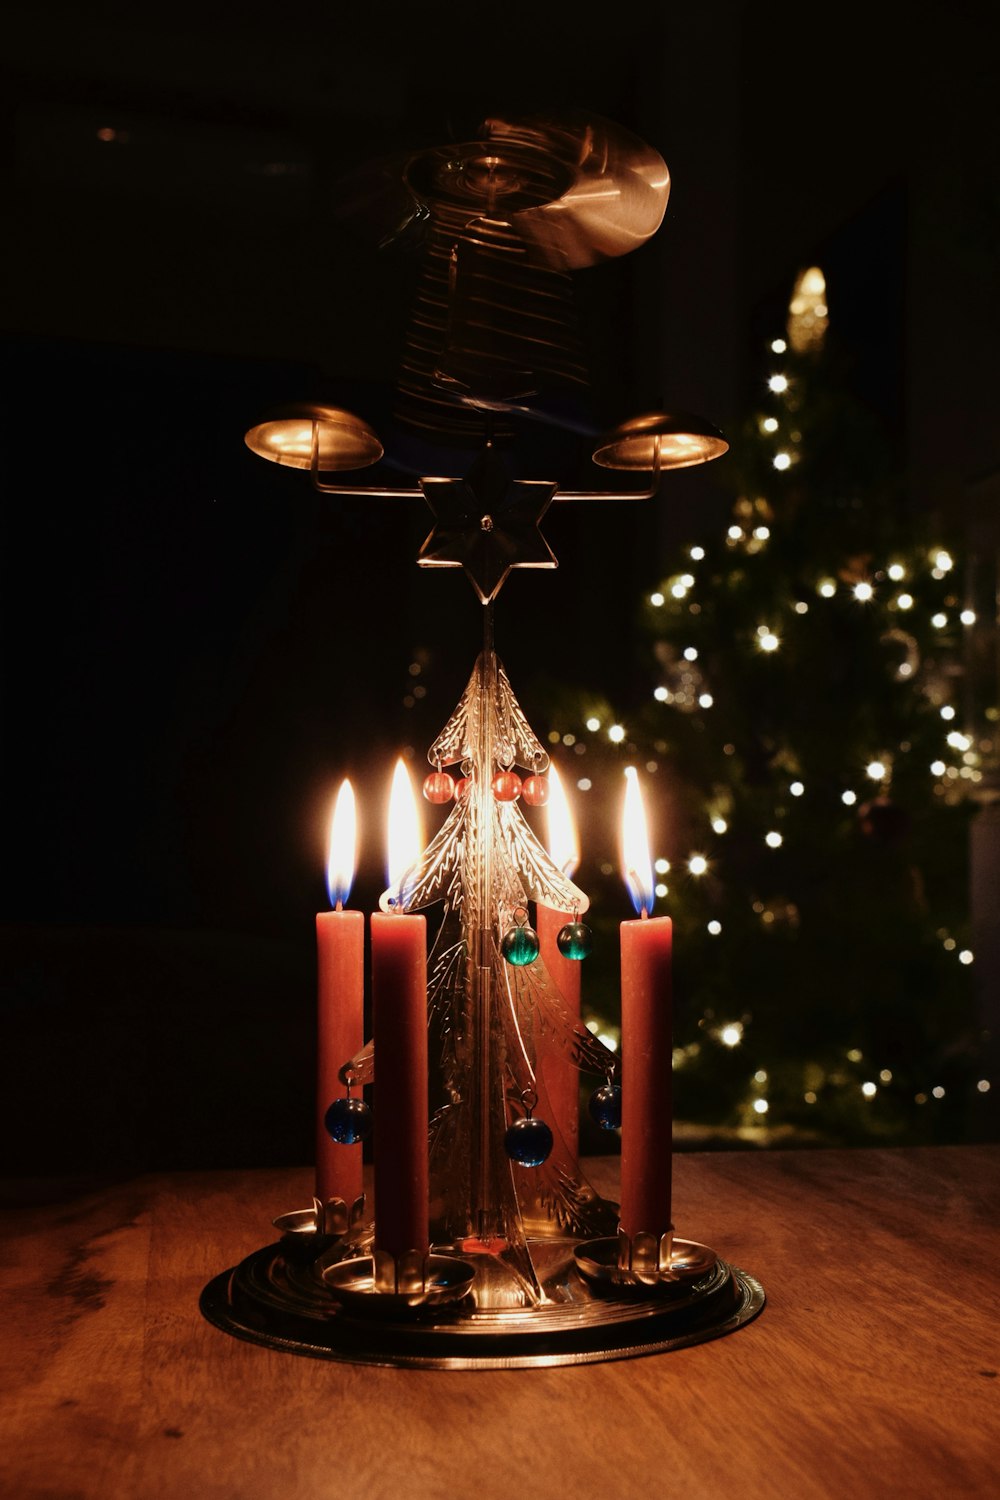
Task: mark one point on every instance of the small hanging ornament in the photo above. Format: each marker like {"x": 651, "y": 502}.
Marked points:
{"x": 528, "y": 1141}
{"x": 506, "y": 786}
{"x": 348, "y": 1120}
{"x": 605, "y": 1105}
{"x": 439, "y": 786}
{"x": 519, "y": 944}
{"x": 575, "y": 940}
{"x": 535, "y": 790}
{"x": 462, "y": 788}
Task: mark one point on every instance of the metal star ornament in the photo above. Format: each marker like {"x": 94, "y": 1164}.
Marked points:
{"x": 487, "y": 523}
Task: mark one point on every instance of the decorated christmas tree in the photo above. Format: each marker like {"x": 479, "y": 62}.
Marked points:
{"x": 803, "y": 734}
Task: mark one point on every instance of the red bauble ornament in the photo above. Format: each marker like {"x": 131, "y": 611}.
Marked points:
{"x": 463, "y": 788}
{"x": 439, "y": 787}
{"x": 535, "y": 790}
{"x": 506, "y": 786}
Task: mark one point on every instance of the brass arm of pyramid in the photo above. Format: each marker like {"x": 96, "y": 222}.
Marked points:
{"x": 325, "y": 439}
{"x": 486, "y": 521}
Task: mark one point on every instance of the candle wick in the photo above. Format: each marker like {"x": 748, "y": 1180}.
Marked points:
{"x": 644, "y": 914}
{"x": 339, "y": 906}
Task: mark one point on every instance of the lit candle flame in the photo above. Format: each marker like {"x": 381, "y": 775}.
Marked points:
{"x": 404, "y": 840}
{"x": 342, "y": 855}
{"x": 564, "y": 846}
{"x": 637, "y": 866}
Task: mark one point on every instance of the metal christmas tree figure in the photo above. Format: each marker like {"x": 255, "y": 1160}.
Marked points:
{"x": 494, "y": 1019}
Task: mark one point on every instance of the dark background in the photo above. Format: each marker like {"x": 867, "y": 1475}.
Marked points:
{"x": 196, "y": 646}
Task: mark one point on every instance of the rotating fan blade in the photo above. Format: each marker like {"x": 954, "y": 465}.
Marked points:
{"x": 501, "y": 222}
{"x": 618, "y": 193}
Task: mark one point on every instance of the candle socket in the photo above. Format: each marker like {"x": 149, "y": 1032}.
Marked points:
{"x": 645, "y": 1256}
{"x": 401, "y": 1275}
{"x": 334, "y": 1218}
{"x": 337, "y": 1217}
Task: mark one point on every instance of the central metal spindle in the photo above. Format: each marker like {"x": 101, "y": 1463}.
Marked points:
{"x": 485, "y": 1216}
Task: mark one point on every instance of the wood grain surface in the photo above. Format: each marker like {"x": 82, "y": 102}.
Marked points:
{"x": 872, "y": 1371}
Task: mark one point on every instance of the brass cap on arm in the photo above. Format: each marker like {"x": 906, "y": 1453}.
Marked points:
{"x": 682, "y": 440}
{"x": 292, "y": 435}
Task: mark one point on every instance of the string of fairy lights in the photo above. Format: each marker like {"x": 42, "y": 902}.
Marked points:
{"x": 961, "y": 764}
{"x": 902, "y": 588}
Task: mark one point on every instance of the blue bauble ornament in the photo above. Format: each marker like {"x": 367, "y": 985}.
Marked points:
{"x": 528, "y": 1141}
{"x": 575, "y": 940}
{"x": 605, "y": 1106}
{"x": 348, "y": 1121}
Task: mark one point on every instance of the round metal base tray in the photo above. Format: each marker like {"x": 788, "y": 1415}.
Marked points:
{"x": 283, "y": 1301}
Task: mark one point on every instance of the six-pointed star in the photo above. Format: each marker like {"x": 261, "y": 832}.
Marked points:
{"x": 487, "y": 523}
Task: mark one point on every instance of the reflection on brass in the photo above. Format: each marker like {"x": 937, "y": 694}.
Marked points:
{"x": 679, "y": 439}
{"x": 343, "y": 441}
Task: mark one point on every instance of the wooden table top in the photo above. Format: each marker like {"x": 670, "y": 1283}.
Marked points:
{"x": 873, "y": 1370}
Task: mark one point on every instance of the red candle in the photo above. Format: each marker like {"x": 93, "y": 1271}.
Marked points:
{"x": 647, "y": 1041}
{"x": 647, "y": 1049}
{"x": 340, "y": 976}
{"x": 399, "y": 1007}
{"x": 399, "y": 1025}
{"x": 562, "y": 1079}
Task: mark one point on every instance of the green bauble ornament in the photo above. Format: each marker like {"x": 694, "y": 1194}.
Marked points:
{"x": 519, "y": 945}
{"x": 575, "y": 940}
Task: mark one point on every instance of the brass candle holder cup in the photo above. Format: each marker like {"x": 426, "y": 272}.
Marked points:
{"x": 383, "y": 1285}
